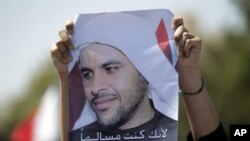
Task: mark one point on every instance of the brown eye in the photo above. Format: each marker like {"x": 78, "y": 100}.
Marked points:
{"x": 111, "y": 69}
{"x": 87, "y": 75}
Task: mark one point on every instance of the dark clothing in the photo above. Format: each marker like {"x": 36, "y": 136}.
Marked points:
{"x": 159, "y": 128}
{"x": 217, "y": 135}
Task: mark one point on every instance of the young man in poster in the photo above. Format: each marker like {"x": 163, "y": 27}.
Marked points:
{"x": 114, "y": 107}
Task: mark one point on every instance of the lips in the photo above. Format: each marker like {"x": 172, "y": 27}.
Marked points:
{"x": 104, "y": 103}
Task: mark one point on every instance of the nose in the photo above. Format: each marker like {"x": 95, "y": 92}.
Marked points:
{"x": 99, "y": 84}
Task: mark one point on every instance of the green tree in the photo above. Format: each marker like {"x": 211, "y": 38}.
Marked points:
{"x": 245, "y": 8}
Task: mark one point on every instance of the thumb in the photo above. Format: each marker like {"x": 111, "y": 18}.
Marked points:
{"x": 69, "y": 26}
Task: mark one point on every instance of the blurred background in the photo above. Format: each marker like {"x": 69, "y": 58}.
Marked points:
{"x": 29, "y": 83}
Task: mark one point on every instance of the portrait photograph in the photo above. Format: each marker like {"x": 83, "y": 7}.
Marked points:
{"x": 123, "y": 81}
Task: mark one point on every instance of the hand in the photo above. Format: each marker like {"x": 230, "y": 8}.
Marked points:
{"x": 190, "y": 80}
{"x": 189, "y": 49}
{"x": 60, "y": 51}
{"x": 189, "y": 45}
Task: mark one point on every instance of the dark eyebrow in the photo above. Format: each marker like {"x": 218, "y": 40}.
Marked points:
{"x": 111, "y": 62}
{"x": 83, "y": 69}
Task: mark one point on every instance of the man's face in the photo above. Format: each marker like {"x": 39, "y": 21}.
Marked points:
{"x": 112, "y": 85}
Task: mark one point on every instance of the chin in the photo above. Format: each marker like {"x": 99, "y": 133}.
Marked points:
{"x": 113, "y": 120}
{"x": 105, "y": 118}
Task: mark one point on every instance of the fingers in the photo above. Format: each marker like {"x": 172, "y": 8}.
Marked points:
{"x": 65, "y": 34}
{"x": 191, "y": 43}
{"x": 61, "y": 49}
{"x": 69, "y": 27}
{"x": 183, "y": 49}
{"x": 66, "y": 39}
{"x": 177, "y": 21}
{"x": 179, "y": 33}
{"x": 55, "y": 54}
{"x": 184, "y": 39}
{"x": 187, "y": 42}
{"x": 60, "y": 53}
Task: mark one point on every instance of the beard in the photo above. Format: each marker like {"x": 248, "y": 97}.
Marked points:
{"x": 124, "y": 113}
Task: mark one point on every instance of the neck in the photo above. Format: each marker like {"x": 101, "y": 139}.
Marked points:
{"x": 141, "y": 115}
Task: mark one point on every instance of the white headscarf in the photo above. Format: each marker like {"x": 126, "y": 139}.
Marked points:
{"x": 133, "y": 33}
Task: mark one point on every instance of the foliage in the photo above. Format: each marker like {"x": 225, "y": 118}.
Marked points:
{"x": 225, "y": 67}
{"x": 30, "y": 100}
{"x": 245, "y": 8}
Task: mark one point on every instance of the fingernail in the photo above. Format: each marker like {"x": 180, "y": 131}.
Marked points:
{"x": 63, "y": 34}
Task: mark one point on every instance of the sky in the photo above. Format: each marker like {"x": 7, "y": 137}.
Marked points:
{"x": 29, "y": 27}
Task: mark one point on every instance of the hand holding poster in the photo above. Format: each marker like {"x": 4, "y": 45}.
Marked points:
{"x": 119, "y": 82}
{"x": 129, "y": 82}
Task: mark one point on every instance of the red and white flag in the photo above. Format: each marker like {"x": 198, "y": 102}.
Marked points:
{"x": 43, "y": 123}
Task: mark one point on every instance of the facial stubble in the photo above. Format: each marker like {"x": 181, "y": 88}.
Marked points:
{"x": 125, "y": 113}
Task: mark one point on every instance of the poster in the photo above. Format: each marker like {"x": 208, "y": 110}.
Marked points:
{"x": 123, "y": 82}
